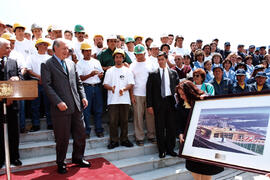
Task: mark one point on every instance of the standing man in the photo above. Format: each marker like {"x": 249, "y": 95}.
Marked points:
{"x": 90, "y": 72}
{"x": 33, "y": 68}
{"x": 141, "y": 69}
{"x": 67, "y": 99}
{"x": 226, "y": 51}
{"x": 118, "y": 81}
{"x": 79, "y": 34}
{"x": 9, "y": 71}
{"x": 240, "y": 86}
{"x": 260, "y": 84}
{"x": 160, "y": 89}
{"x": 179, "y": 39}
{"x": 130, "y": 48}
{"x": 98, "y": 45}
{"x": 37, "y": 32}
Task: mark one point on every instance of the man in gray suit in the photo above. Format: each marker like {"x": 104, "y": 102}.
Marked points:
{"x": 67, "y": 97}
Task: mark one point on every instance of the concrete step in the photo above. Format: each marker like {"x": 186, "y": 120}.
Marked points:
{"x": 140, "y": 164}
{"x": 233, "y": 174}
{"x": 47, "y": 135}
{"x": 115, "y": 154}
{"x": 42, "y": 148}
{"x": 174, "y": 172}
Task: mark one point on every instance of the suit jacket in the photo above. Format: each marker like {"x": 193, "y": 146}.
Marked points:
{"x": 11, "y": 69}
{"x": 153, "y": 88}
{"x": 60, "y": 86}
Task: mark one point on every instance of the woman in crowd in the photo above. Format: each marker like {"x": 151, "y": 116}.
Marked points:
{"x": 250, "y": 67}
{"x": 199, "y": 59}
{"x": 228, "y": 72}
{"x": 216, "y": 59}
{"x": 232, "y": 57}
{"x": 188, "y": 93}
{"x": 208, "y": 70}
{"x": 187, "y": 61}
{"x": 199, "y": 78}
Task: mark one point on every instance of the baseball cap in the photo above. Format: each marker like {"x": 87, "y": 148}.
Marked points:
{"x": 240, "y": 72}
{"x": 139, "y": 49}
{"x": 79, "y": 28}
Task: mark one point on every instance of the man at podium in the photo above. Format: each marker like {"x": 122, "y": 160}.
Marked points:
{"x": 9, "y": 71}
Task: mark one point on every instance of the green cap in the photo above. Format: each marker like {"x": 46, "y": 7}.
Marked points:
{"x": 139, "y": 49}
{"x": 129, "y": 39}
{"x": 79, "y": 28}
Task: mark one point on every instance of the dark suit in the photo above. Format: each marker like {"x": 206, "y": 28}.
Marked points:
{"x": 65, "y": 87}
{"x": 163, "y": 109}
{"x": 10, "y": 69}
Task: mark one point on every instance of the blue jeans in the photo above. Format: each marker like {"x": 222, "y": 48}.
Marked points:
{"x": 95, "y": 105}
{"x": 35, "y": 105}
{"x": 21, "y": 114}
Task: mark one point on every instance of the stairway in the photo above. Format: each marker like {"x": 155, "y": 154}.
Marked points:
{"x": 37, "y": 149}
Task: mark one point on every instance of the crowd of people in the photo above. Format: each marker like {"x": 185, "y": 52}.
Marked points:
{"x": 159, "y": 78}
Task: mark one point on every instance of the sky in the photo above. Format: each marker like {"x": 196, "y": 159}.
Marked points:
{"x": 238, "y": 21}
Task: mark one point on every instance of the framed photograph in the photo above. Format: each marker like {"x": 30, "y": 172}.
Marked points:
{"x": 230, "y": 132}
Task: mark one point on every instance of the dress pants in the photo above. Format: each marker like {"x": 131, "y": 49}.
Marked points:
{"x": 139, "y": 111}
{"x": 13, "y": 132}
{"x": 165, "y": 125}
{"x": 118, "y": 114}
{"x": 63, "y": 125}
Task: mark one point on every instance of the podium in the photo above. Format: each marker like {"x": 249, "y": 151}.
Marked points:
{"x": 14, "y": 90}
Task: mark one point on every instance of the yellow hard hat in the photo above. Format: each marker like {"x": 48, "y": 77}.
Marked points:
{"x": 137, "y": 36}
{"x": 43, "y": 40}
{"x": 119, "y": 51}
{"x": 17, "y": 25}
{"x": 8, "y": 36}
{"x": 85, "y": 46}
{"x": 98, "y": 35}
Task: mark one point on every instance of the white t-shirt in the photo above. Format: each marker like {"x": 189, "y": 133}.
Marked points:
{"x": 120, "y": 78}
{"x": 140, "y": 71}
{"x": 85, "y": 67}
{"x": 34, "y": 62}
{"x": 15, "y": 55}
{"x": 77, "y": 49}
{"x": 180, "y": 51}
{"x": 131, "y": 55}
{"x": 96, "y": 50}
{"x": 24, "y": 47}
{"x": 154, "y": 62}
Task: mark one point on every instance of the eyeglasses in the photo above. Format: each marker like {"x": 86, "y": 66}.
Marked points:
{"x": 196, "y": 75}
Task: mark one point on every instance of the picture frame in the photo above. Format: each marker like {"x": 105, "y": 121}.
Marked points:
{"x": 230, "y": 131}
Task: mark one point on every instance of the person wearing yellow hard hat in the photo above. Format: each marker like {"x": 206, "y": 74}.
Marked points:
{"x": 98, "y": 45}
{"x": 138, "y": 39}
{"x": 118, "y": 81}
{"x": 33, "y": 67}
{"x": 91, "y": 72}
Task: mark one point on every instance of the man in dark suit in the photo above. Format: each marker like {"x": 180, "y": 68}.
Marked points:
{"x": 9, "y": 71}
{"x": 160, "y": 89}
{"x": 66, "y": 95}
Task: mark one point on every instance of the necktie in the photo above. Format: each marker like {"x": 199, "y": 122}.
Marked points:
{"x": 163, "y": 84}
{"x": 64, "y": 65}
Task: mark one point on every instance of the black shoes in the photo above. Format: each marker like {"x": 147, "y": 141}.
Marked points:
{"x": 1, "y": 164}
{"x": 50, "y": 127}
{"x": 172, "y": 153}
{"x": 113, "y": 145}
{"x": 153, "y": 140}
{"x": 100, "y": 134}
{"x": 16, "y": 162}
{"x": 35, "y": 128}
{"x": 82, "y": 163}
{"x": 62, "y": 168}
{"x": 139, "y": 143}
{"x": 126, "y": 143}
{"x": 162, "y": 155}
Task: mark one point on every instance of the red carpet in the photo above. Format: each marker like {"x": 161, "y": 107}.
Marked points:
{"x": 101, "y": 169}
